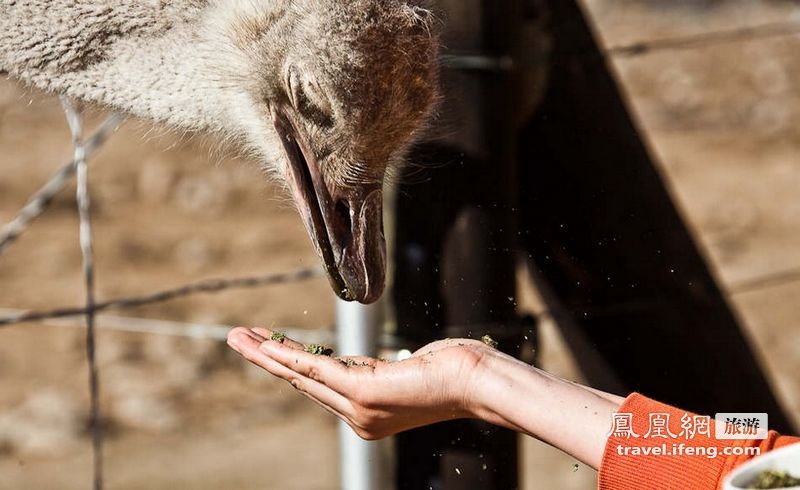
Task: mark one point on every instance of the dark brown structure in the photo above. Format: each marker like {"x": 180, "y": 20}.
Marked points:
{"x": 641, "y": 308}
{"x": 455, "y": 260}
{"x": 572, "y": 188}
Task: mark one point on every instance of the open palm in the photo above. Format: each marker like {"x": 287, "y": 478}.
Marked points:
{"x": 375, "y": 397}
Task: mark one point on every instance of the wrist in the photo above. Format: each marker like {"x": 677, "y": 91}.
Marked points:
{"x": 571, "y": 417}
{"x": 499, "y": 382}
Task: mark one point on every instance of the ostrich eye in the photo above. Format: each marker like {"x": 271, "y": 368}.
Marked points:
{"x": 309, "y": 102}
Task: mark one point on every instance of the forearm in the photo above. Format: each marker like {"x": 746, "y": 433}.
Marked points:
{"x": 571, "y": 417}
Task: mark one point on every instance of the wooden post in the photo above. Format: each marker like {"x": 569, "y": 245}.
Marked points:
{"x": 641, "y": 309}
{"x": 455, "y": 278}
{"x": 454, "y": 256}
{"x": 619, "y": 267}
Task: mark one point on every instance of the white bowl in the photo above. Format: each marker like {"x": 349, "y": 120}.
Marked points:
{"x": 783, "y": 459}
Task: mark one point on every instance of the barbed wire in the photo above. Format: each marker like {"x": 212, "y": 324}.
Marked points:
{"x": 487, "y": 62}
{"x": 765, "y": 281}
{"x": 41, "y": 199}
{"x": 40, "y": 202}
{"x": 762, "y": 31}
{"x": 205, "y": 286}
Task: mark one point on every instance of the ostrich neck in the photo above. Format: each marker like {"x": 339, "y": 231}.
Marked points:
{"x": 164, "y": 61}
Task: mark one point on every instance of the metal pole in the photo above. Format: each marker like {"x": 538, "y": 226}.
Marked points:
{"x": 357, "y": 328}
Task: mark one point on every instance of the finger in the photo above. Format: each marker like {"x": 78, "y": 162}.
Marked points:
{"x": 247, "y": 344}
{"x": 237, "y": 335}
{"x": 319, "y": 393}
{"x": 325, "y": 397}
{"x": 327, "y": 408}
{"x": 267, "y": 334}
{"x": 323, "y": 369}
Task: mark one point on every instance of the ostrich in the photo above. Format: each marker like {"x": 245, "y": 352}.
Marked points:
{"x": 327, "y": 94}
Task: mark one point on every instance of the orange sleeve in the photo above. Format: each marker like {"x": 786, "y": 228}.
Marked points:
{"x": 628, "y": 464}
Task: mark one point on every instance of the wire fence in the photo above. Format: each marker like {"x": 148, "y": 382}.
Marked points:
{"x": 41, "y": 199}
{"x": 638, "y": 49}
{"x": 193, "y": 330}
{"x": 40, "y": 202}
{"x": 206, "y": 286}
{"x": 75, "y": 121}
{"x": 706, "y": 39}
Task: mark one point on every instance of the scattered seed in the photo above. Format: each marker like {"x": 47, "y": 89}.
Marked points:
{"x": 488, "y": 340}
{"x": 319, "y": 350}
{"x": 352, "y": 363}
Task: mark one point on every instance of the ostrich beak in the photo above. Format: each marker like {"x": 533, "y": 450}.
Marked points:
{"x": 345, "y": 224}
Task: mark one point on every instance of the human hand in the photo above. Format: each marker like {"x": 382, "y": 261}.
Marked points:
{"x": 376, "y": 398}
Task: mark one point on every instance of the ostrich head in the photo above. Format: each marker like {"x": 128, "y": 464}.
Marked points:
{"x": 341, "y": 88}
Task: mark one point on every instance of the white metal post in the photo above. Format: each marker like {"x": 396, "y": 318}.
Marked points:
{"x": 357, "y": 330}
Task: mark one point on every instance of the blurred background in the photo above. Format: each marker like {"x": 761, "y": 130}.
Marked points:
{"x": 710, "y": 87}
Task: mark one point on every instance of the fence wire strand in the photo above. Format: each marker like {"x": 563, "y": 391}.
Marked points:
{"x": 39, "y": 203}
{"x": 193, "y": 330}
{"x": 75, "y": 120}
{"x": 41, "y": 199}
{"x": 749, "y": 33}
{"x": 206, "y": 286}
